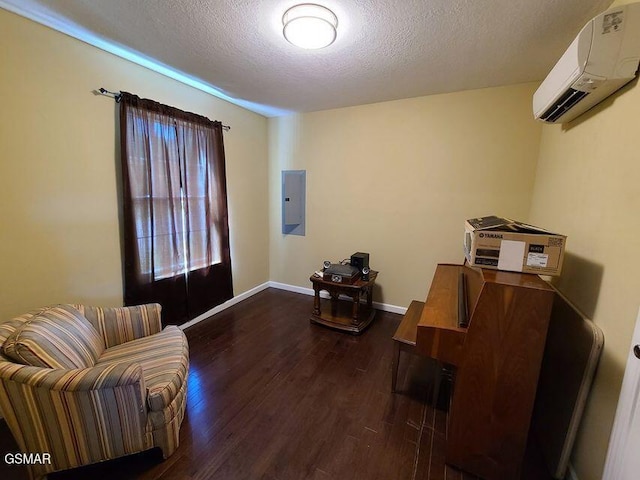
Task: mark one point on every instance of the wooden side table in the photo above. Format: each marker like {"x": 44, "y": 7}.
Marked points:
{"x": 352, "y": 317}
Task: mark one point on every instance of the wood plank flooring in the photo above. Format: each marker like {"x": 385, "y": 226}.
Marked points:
{"x": 274, "y": 397}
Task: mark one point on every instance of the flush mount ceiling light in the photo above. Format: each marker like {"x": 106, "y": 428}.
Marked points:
{"x": 310, "y": 26}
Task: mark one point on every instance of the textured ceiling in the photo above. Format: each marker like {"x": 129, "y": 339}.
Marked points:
{"x": 385, "y": 49}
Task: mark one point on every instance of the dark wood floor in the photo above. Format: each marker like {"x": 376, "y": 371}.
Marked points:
{"x": 273, "y": 397}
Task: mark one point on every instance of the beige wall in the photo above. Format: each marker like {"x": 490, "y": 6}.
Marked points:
{"x": 59, "y": 227}
{"x": 398, "y": 179}
{"x": 587, "y": 188}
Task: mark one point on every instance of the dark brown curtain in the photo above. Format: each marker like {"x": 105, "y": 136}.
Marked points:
{"x": 176, "y": 233}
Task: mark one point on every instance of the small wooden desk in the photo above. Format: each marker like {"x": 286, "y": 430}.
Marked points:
{"x": 349, "y": 317}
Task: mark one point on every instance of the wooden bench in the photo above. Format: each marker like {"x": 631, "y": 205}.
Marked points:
{"x": 405, "y": 337}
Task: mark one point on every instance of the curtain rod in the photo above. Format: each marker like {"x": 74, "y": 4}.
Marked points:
{"x": 117, "y": 96}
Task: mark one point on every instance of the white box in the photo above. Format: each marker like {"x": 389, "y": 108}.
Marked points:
{"x": 503, "y": 244}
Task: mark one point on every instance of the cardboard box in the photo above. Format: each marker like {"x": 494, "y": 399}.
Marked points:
{"x": 504, "y": 244}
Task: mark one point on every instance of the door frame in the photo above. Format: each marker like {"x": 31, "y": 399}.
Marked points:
{"x": 626, "y": 410}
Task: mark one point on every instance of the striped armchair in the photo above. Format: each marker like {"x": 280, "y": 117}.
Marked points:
{"x": 87, "y": 384}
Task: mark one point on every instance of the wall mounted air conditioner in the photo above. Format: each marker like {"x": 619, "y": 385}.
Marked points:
{"x": 603, "y": 57}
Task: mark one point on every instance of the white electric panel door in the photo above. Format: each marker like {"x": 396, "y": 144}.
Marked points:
{"x": 293, "y": 201}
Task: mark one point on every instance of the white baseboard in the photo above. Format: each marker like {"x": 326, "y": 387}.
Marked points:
{"x": 225, "y": 305}
{"x": 385, "y": 307}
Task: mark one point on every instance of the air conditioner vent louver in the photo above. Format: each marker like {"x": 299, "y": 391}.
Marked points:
{"x": 564, "y": 104}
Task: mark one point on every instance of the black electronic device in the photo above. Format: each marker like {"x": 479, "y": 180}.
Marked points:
{"x": 341, "y": 273}
{"x": 360, "y": 260}
{"x": 364, "y": 274}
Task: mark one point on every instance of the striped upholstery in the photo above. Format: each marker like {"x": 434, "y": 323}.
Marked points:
{"x": 164, "y": 358}
{"x": 75, "y": 424}
{"x": 87, "y": 415}
{"x": 57, "y": 337}
{"x": 120, "y": 325}
{"x": 6, "y": 330}
{"x": 164, "y": 425}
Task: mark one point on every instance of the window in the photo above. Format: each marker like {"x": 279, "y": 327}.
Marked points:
{"x": 187, "y": 236}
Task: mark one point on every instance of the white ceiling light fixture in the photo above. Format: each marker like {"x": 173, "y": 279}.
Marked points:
{"x": 310, "y": 26}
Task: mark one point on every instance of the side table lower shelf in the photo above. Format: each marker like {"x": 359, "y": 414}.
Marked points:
{"x": 342, "y": 318}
